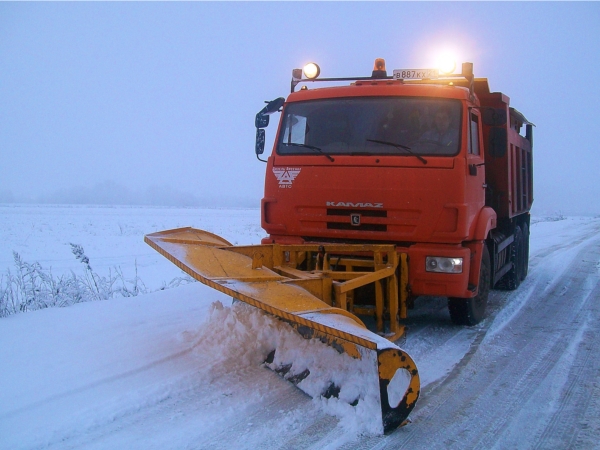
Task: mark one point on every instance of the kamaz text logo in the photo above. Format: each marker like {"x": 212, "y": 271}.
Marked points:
{"x": 286, "y": 176}
{"x": 355, "y": 205}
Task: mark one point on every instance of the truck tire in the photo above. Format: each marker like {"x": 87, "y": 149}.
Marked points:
{"x": 471, "y": 311}
{"x": 513, "y": 277}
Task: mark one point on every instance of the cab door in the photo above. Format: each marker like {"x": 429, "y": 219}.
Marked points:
{"x": 475, "y": 182}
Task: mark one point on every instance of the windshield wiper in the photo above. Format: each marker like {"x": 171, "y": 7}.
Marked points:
{"x": 403, "y": 147}
{"x": 312, "y": 147}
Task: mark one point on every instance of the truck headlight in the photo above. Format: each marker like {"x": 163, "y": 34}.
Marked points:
{"x": 443, "y": 265}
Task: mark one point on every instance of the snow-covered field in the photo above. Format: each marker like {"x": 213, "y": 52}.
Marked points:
{"x": 111, "y": 236}
{"x": 181, "y": 368}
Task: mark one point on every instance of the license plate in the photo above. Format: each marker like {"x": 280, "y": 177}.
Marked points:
{"x": 414, "y": 74}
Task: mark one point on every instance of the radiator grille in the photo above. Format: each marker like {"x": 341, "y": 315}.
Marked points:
{"x": 362, "y": 212}
{"x": 346, "y": 225}
{"x": 361, "y": 227}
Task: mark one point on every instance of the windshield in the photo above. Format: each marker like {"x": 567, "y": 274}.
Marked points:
{"x": 374, "y": 125}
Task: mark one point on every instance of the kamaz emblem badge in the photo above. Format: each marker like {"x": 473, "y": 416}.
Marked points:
{"x": 355, "y": 220}
{"x": 286, "y": 176}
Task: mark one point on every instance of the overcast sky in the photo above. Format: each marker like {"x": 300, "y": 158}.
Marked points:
{"x": 163, "y": 95}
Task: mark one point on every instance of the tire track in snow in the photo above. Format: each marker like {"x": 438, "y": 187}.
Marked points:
{"x": 581, "y": 389}
{"x": 477, "y": 405}
{"x": 545, "y": 348}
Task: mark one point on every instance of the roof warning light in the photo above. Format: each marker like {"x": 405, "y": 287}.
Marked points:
{"x": 379, "y": 69}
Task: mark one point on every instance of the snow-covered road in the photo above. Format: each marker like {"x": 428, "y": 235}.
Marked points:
{"x": 530, "y": 378}
{"x": 173, "y": 369}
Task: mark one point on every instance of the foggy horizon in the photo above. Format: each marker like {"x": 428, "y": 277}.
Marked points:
{"x": 114, "y": 193}
{"x": 154, "y": 103}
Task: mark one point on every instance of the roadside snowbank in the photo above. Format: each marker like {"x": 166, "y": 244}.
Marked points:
{"x": 69, "y": 374}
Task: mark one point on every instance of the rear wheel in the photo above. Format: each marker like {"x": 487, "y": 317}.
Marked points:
{"x": 471, "y": 311}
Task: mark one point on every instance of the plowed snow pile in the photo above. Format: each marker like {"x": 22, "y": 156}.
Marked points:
{"x": 242, "y": 335}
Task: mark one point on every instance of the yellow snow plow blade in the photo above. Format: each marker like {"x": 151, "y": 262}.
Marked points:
{"x": 304, "y": 286}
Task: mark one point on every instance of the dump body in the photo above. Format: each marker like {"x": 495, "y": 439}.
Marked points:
{"x": 509, "y": 176}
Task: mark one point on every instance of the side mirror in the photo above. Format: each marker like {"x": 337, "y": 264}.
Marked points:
{"x": 494, "y": 117}
{"x": 261, "y": 121}
{"x": 259, "y": 147}
{"x": 498, "y": 142}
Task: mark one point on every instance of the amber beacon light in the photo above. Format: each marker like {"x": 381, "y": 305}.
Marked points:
{"x": 379, "y": 69}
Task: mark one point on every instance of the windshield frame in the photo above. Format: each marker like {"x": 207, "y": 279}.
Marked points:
{"x": 378, "y": 104}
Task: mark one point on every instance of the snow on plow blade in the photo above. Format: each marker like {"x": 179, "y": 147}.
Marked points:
{"x": 296, "y": 284}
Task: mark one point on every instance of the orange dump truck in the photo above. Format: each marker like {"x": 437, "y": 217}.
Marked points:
{"x": 377, "y": 191}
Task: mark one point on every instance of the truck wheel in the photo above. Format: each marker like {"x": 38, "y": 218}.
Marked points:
{"x": 471, "y": 311}
{"x": 525, "y": 265}
{"x": 513, "y": 277}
